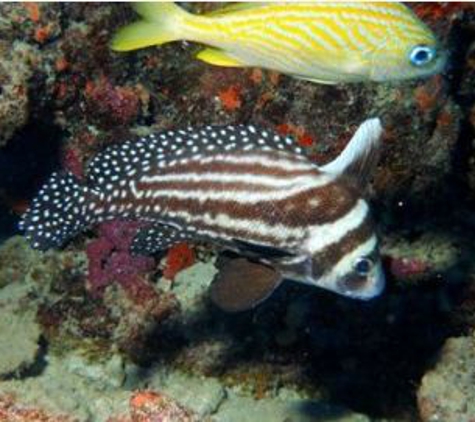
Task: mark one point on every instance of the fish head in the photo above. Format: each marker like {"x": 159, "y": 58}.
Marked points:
{"x": 361, "y": 276}
{"x": 352, "y": 267}
{"x": 407, "y": 61}
{"x": 405, "y": 52}
{"x": 342, "y": 247}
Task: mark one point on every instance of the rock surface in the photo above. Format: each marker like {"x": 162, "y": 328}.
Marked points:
{"x": 447, "y": 392}
{"x": 19, "y": 342}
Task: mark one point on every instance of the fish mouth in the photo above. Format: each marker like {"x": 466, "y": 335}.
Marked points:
{"x": 375, "y": 287}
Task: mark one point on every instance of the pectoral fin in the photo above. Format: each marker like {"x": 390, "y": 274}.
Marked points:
{"x": 317, "y": 81}
{"x": 218, "y": 58}
{"x": 158, "y": 237}
{"x": 242, "y": 284}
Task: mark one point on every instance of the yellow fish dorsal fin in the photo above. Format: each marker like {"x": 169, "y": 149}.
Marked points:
{"x": 235, "y": 7}
{"x": 218, "y": 57}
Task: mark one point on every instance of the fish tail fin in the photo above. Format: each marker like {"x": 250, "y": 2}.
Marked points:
{"x": 161, "y": 24}
{"x": 63, "y": 208}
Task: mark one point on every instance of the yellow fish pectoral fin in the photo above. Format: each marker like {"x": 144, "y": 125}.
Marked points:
{"x": 218, "y": 58}
{"x": 316, "y": 80}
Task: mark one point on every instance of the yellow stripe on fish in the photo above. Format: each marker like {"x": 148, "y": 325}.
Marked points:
{"x": 321, "y": 42}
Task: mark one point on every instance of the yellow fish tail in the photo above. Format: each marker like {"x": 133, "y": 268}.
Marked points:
{"x": 161, "y": 24}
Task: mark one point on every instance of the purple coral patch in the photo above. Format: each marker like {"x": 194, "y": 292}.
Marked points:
{"x": 109, "y": 258}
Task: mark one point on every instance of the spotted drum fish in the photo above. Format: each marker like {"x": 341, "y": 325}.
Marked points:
{"x": 325, "y": 42}
{"x": 243, "y": 188}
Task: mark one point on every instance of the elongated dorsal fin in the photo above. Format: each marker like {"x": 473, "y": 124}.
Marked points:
{"x": 358, "y": 160}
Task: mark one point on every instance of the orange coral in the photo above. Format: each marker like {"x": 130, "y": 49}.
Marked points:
{"x": 148, "y": 406}
{"x": 303, "y": 137}
{"x": 61, "y": 64}
{"x": 33, "y": 11}
{"x": 231, "y": 97}
{"x": 434, "y": 11}
{"x": 142, "y": 398}
{"x": 445, "y": 118}
{"x": 42, "y": 33}
{"x": 427, "y": 95}
{"x": 179, "y": 257}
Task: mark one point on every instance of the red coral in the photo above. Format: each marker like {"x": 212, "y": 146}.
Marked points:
{"x": 231, "y": 97}
{"x": 112, "y": 104}
{"x": 434, "y": 11}
{"x": 303, "y": 137}
{"x": 428, "y": 94}
{"x": 72, "y": 162}
{"x": 403, "y": 268}
{"x": 109, "y": 259}
{"x": 179, "y": 257}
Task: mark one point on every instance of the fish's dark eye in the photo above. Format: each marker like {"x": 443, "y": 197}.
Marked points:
{"x": 420, "y": 55}
{"x": 363, "y": 266}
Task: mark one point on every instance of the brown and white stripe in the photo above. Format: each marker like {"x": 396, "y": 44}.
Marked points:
{"x": 267, "y": 197}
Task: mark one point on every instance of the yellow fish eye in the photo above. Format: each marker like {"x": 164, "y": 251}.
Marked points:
{"x": 420, "y": 55}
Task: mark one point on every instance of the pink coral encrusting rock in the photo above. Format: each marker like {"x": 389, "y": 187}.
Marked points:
{"x": 112, "y": 104}
{"x": 13, "y": 411}
{"x": 110, "y": 260}
{"x": 148, "y": 406}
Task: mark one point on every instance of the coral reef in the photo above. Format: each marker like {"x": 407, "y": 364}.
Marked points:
{"x": 108, "y": 336}
{"x": 12, "y": 411}
{"x": 15, "y": 71}
{"x": 110, "y": 259}
{"x": 430, "y": 255}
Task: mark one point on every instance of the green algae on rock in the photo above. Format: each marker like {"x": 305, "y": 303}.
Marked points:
{"x": 19, "y": 342}
{"x": 15, "y": 70}
{"x": 447, "y": 392}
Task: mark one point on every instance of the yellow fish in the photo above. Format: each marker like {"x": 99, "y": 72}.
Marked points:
{"x": 321, "y": 42}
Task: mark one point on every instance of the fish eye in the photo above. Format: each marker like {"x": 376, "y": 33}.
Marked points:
{"x": 363, "y": 266}
{"x": 420, "y": 55}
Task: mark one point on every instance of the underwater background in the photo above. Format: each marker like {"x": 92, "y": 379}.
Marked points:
{"x": 91, "y": 333}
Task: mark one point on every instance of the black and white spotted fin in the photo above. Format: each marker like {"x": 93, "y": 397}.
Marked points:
{"x": 156, "y": 238}
{"x": 63, "y": 208}
{"x": 119, "y": 162}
